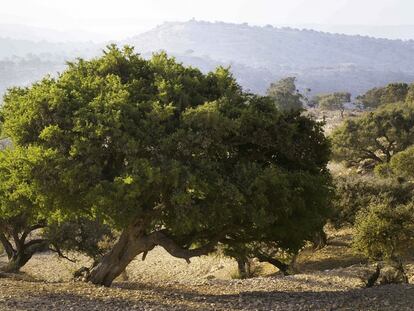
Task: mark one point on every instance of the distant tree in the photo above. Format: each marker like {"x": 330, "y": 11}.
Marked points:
{"x": 169, "y": 156}
{"x": 410, "y": 94}
{"x": 375, "y": 137}
{"x": 285, "y": 94}
{"x": 392, "y": 93}
{"x": 334, "y": 101}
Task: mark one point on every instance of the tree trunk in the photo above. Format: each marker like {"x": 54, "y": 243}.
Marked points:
{"x": 24, "y": 254}
{"x": 131, "y": 243}
{"x": 320, "y": 240}
{"x": 8, "y": 248}
{"x": 243, "y": 266}
{"x": 17, "y": 262}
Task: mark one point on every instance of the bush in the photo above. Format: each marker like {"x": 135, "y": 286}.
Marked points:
{"x": 356, "y": 193}
{"x": 385, "y": 231}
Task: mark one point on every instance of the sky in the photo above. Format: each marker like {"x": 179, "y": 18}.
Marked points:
{"x": 122, "y": 18}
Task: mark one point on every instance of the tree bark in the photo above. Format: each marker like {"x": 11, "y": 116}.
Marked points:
{"x": 243, "y": 267}
{"x": 25, "y": 252}
{"x": 320, "y": 240}
{"x": 132, "y": 242}
{"x": 8, "y": 248}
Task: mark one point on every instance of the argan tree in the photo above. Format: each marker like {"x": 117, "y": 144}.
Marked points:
{"x": 285, "y": 94}
{"x": 170, "y": 157}
{"x": 375, "y": 137}
{"x": 334, "y": 101}
{"x": 385, "y": 232}
{"x": 392, "y": 93}
{"x": 21, "y": 210}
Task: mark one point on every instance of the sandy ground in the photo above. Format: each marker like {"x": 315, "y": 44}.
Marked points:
{"x": 162, "y": 282}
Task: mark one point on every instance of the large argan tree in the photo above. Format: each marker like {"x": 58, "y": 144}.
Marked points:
{"x": 170, "y": 157}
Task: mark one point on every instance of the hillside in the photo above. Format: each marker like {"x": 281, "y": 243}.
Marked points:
{"x": 322, "y": 61}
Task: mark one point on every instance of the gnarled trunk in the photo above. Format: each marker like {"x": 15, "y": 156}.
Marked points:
{"x": 21, "y": 252}
{"x": 131, "y": 243}
{"x": 19, "y": 257}
{"x": 17, "y": 262}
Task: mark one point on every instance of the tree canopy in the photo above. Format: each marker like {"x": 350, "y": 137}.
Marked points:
{"x": 170, "y": 157}
{"x": 392, "y": 93}
{"x": 285, "y": 94}
{"x": 376, "y": 136}
{"x": 333, "y": 101}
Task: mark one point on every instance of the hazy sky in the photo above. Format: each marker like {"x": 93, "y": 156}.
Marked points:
{"x": 127, "y": 17}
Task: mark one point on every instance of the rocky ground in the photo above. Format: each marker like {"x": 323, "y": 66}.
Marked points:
{"x": 330, "y": 279}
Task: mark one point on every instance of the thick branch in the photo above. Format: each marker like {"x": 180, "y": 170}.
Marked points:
{"x": 7, "y": 246}
{"x": 371, "y": 155}
{"x": 16, "y": 240}
{"x": 175, "y": 250}
{"x": 26, "y": 232}
{"x": 37, "y": 243}
{"x": 277, "y": 263}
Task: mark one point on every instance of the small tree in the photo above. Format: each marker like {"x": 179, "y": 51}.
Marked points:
{"x": 385, "y": 232}
{"x": 392, "y": 93}
{"x": 354, "y": 193}
{"x": 21, "y": 210}
{"x": 375, "y": 137}
{"x": 334, "y": 101}
{"x": 285, "y": 95}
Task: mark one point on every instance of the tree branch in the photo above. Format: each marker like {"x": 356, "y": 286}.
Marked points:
{"x": 371, "y": 155}
{"x": 161, "y": 239}
{"x": 26, "y": 232}
{"x": 33, "y": 243}
{"x": 7, "y": 246}
{"x": 16, "y": 239}
{"x": 277, "y": 263}
{"x": 60, "y": 254}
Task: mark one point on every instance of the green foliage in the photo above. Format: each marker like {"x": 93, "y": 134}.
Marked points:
{"x": 355, "y": 193}
{"x": 285, "y": 95}
{"x": 89, "y": 237}
{"x": 410, "y": 94}
{"x": 334, "y": 101}
{"x": 402, "y": 163}
{"x": 392, "y": 93}
{"x": 385, "y": 231}
{"x": 20, "y": 206}
{"x": 126, "y": 140}
{"x": 375, "y": 137}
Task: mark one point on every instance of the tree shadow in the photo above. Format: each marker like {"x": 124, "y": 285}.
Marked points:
{"x": 136, "y": 296}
